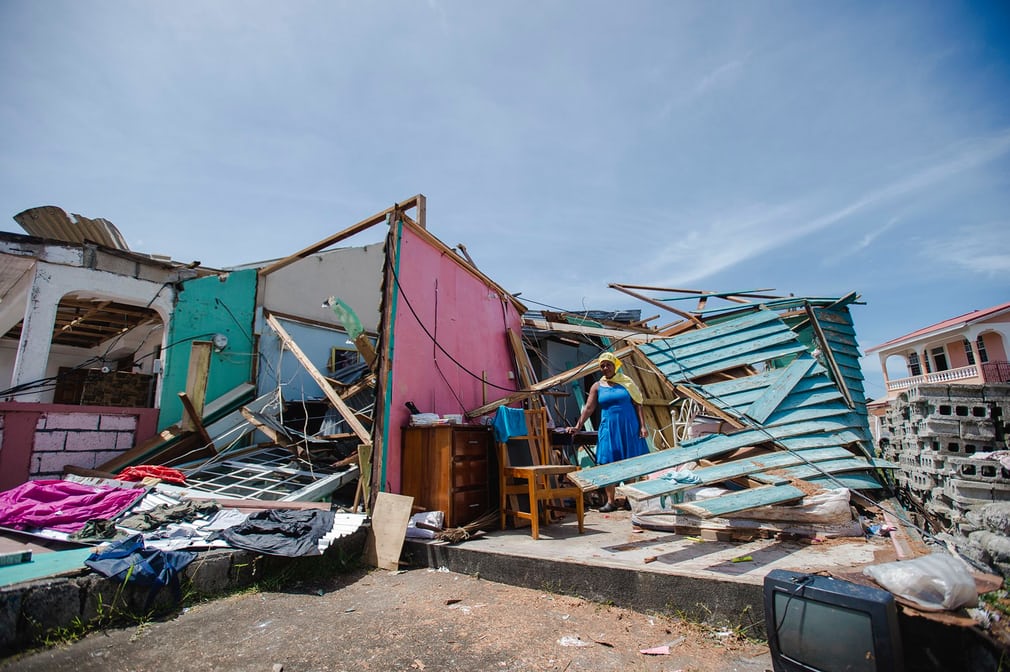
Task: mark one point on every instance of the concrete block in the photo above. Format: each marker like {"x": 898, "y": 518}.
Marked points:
{"x": 977, "y": 431}
{"x": 85, "y": 421}
{"x": 54, "y": 462}
{"x": 50, "y": 441}
{"x": 945, "y": 427}
{"x": 11, "y": 599}
{"x": 91, "y": 441}
{"x": 124, "y": 441}
{"x": 209, "y": 573}
{"x": 244, "y": 568}
{"x": 121, "y": 423}
{"x": 51, "y": 605}
{"x": 99, "y": 596}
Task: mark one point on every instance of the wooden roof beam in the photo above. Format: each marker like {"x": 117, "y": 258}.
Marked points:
{"x": 417, "y": 201}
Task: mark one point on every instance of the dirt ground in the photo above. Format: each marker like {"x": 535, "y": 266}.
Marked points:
{"x": 421, "y": 619}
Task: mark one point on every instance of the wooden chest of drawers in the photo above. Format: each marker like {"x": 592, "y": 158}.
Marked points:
{"x": 446, "y": 468}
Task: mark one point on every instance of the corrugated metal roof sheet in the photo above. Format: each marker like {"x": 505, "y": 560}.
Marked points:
{"x": 53, "y": 223}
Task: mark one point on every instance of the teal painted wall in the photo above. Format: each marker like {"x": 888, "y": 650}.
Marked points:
{"x": 206, "y": 306}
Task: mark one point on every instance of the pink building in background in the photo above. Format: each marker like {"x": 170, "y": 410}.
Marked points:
{"x": 970, "y": 349}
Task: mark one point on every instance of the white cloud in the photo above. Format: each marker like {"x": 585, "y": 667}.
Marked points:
{"x": 722, "y": 76}
{"x": 720, "y": 240}
{"x": 979, "y": 249}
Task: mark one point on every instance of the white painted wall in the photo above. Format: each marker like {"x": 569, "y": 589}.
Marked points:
{"x": 352, "y": 274}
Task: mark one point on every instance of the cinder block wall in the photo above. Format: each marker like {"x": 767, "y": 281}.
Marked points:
{"x": 38, "y": 440}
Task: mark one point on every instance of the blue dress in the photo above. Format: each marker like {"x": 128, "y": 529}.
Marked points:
{"x": 618, "y": 437}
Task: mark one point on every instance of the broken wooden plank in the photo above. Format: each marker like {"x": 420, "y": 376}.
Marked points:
{"x": 712, "y": 445}
{"x": 258, "y": 421}
{"x": 364, "y": 346}
{"x": 851, "y": 481}
{"x": 742, "y": 500}
{"x": 191, "y": 414}
{"x": 807, "y": 471}
{"x": 629, "y": 336}
{"x": 334, "y": 398}
{"x": 782, "y": 387}
{"x": 829, "y": 356}
{"x": 388, "y": 530}
{"x": 558, "y": 379}
{"x": 196, "y": 381}
{"x": 657, "y": 487}
{"x": 659, "y": 304}
{"x": 524, "y": 367}
{"x": 164, "y": 443}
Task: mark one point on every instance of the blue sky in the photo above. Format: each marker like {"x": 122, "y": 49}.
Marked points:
{"x": 816, "y": 148}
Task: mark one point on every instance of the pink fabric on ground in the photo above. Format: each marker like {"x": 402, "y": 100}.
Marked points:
{"x": 64, "y": 506}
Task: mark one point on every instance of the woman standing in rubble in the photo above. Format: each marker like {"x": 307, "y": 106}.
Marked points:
{"x": 622, "y": 428}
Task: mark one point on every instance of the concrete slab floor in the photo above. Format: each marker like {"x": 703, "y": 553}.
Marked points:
{"x": 610, "y": 540}
{"x": 717, "y": 582}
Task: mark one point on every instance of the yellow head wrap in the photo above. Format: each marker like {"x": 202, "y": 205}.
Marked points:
{"x": 620, "y": 378}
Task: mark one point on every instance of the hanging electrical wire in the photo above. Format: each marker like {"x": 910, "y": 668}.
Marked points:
{"x": 431, "y": 336}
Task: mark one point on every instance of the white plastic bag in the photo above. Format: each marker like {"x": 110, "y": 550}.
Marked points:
{"x": 934, "y": 582}
{"x": 425, "y": 525}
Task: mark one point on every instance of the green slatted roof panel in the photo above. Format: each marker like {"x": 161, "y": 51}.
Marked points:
{"x": 839, "y": 331}
{"x": 791, "y": 402}
{"x": 756, "y": 337}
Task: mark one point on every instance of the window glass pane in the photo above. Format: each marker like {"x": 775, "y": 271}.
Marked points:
{"x": 980, "y": 344}
{"x": 913, "y": 364}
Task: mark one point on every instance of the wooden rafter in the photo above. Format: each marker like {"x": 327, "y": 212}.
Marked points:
{"x": 415, "y": 201}
{"x": 334, "y": 398}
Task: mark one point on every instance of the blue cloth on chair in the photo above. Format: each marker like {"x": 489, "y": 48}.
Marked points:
{"x": 509, "y": 422}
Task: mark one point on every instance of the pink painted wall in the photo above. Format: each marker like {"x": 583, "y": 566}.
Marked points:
{"x": 995, "y": 348}
{"x": 468, "y": 316}
{"x": 38, "y": 440}
{"x": 956, "y": 355}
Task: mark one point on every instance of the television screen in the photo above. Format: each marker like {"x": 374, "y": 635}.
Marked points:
{"x": 819, "y": 624}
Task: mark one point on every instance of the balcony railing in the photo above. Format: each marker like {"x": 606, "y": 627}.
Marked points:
{"x": 991, "y": 372}
{"x": 947, "y": 376}
{"x": 996, "y": 372}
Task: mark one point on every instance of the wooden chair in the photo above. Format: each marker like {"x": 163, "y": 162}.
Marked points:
{"x": 540, "y": 480}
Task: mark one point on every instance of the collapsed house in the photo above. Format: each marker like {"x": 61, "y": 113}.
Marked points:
{"x": 762, "y": 397}
{"x": 334, "y": 375}
{"x": 317, "y": 355}
{"x": 83, "y": 322}
{"x": 273, "y": 390}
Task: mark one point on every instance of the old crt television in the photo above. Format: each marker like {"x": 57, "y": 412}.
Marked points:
{"x": 819, "y": 624}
